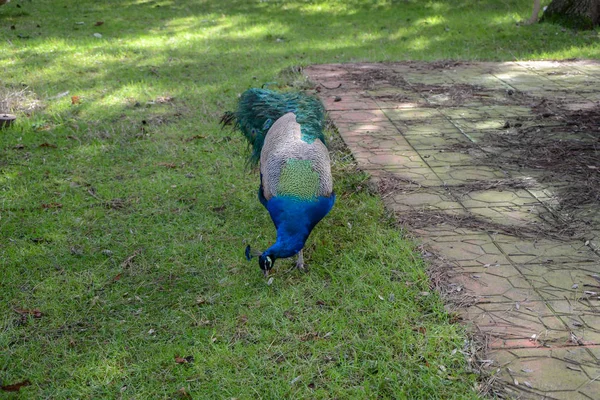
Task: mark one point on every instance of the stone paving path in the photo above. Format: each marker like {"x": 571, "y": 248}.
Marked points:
{"x": 533, "y": 297}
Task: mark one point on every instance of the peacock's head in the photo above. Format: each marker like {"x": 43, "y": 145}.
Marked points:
{"x": 266, "y": 260}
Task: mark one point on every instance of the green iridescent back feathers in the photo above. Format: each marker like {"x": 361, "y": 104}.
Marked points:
{"x": 258, "y": 109}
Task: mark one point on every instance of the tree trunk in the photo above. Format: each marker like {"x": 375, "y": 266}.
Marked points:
{"x": 534, "y": 14}
{"x": 577, "y": 14}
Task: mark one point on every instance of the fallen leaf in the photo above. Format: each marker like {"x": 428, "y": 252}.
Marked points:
{"x": 52, "y": 205}
{"x": 164, "y": 99}
{"x": 218, "y": 209}
{"x": 75, "y": 100}
{"x": 517, "y": 305}
{"x": 35, "y": 313}
{"x": 575, "y": 286}
{"x": 527, "y": 370}
{"x": 97, "y": 35}
{"x": 421, "y": 329}
{"x": 46, "y": 144}
{"x": 98, "y": 23}
{"x": 15, "y": 387}
{"x": 184, "y": 360}
{"x": 194, "y": 138}
{"x": 527, "y": 384}
{"x": 117, "y": 277}
{"x": 167, "y": 165}
{"x": 183, "y": 393}
{"x": 128, "y": 262}
{"x": 289, "y": 315}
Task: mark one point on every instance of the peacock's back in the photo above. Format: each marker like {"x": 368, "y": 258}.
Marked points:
{"x": 292, "y": 165}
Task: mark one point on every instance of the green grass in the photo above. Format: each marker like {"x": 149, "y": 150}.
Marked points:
{"x": 123, "y": 219}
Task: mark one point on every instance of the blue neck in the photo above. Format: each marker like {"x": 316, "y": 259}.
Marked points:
{"x": 290, "y": 240}
{"x": 294, "y": 220}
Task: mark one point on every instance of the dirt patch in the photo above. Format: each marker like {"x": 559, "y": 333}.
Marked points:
{"x": 371, "y": 78}
{"x": 496, "y": 184}
{"x": 389, "y": 184}
{"x": 566, "y": 155}
{"x": 550, "y": 229}
{"x": 435, "y": 95}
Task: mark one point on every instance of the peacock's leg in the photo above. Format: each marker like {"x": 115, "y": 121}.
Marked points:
{"x": 300, "y": 261}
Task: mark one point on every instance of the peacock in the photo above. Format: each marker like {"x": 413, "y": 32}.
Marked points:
{"x": 285, "y": 135}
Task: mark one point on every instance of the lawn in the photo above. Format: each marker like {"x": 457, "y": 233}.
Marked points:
{"x": 125, "y": 208}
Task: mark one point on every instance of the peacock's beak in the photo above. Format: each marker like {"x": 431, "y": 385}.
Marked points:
{"x": 266, "y": 273}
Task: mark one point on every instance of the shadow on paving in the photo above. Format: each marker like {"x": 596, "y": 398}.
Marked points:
{"x": 495, "y": 169}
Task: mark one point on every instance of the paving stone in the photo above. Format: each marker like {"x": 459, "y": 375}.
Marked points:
{"x": 595, "y": 351}
{"x": 432, "y": 127}
{"x": 443, "y": 158}
{"x": 469, "y": 250}
{"x": 358, "y": 116}
{"x": 399, "y": 159}
{"x": 527, "y": 251}
{"x": 497, "y": 284}
{"x": 593, "y": 240}
{"x": 497, "y": 198}
{"x": 561, "y": 281}
{"x": 590, "y": 389}
{"x": 408, "y": 114}
{"x": 527, "y": 216}
{"x": 589, "y": 67}
{"x": 347, "y": 102}
{"x": 443, "y": 228}
{"x": 505, "y": 323}
{"x": 396, "y": 98}
{"x": 422, "y": 198}
{"x": 438, "y": 141}
{"x": 549, "y": 374}
{"x": 373, "y": 144}
{"x": 421, "y": 176}
{"x": 455, "y": 175}
{"x": 378, "y": 128}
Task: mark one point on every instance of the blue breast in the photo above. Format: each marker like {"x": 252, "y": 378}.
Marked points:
{"x": 294, "y": 219}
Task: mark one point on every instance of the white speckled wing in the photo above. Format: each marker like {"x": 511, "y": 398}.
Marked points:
{"x": 284, "y": 142}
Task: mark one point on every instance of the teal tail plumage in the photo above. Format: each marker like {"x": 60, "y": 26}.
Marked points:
{"x": 258, "y": 109}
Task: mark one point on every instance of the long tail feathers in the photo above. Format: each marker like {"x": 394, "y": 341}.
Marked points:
{"x": 258, "y": 109}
